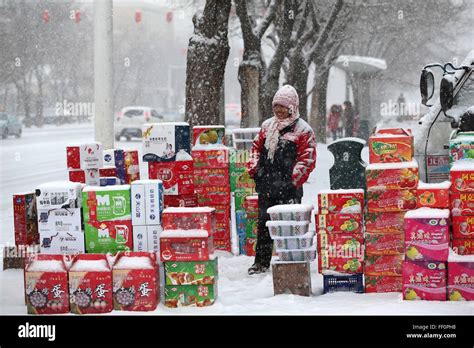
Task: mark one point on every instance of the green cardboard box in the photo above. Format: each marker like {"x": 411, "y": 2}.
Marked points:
{"x": 108, "y": 236}
{"x": 461, "y": 147}
{"x": 190, "y": 295}
{"x": 239, "y": 198}
{"x": 106, "y": 203}
{"x": 251, "y": 228}
{"x": 191, "y": 273}
{"x": 239, "y": 176}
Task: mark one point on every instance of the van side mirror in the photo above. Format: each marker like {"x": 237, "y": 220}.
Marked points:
{"x": 446, "y": 92}
{"x": 426, "y": 86}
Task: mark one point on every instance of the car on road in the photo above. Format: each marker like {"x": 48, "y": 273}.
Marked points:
{"x": 9, "y": 125}
{"x": 130, "y": 120}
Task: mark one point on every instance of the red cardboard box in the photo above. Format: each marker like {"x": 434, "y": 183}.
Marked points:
{"x": 339, "y": 223}
{"x": 341, "y": 201}
{"x": 211, "y": 176}
{"x": 181, "y": 201}
{"x": 393, "y": 176}
{"x": 251, "y": 244}
{"x": 217, "y": 157}
{"x": 383, "y": 265}
{"x": 88, "y": 176}
{"x": 90, "y": 284}
{"x": 340, "y": 263}
{"x": 25, "y": 219}
{"x": 341, "y": 242}
{"x": 132, "y": 166}
{"x": 463, "y": 227}
{"x": 380, "y": 284}
{"x": 462, "y": 177}
{"x": 223, "y": 244}
{"x": 391, "y": 145}
{"x": 390, "y": 201}
{"x": 200, "y": 218}
{"x": 381, "y": 222}
{"x": 460, "y": 280}
{"x": 213, "y": 194}
{"x": 46, "y": 285}
{"x": 185, "y": 245}
{"x": 108, "y": 172}
{"x": 208, "y": 135}
{"x": 462, "y": 204}
{"x": 424, "y": 281}
{"x": 222, "y": 231}
{"x": 177, "y": 177}
{"x": 433, "y": 195}
{"x": 222, "y": 211}
{"x": 463, "y": 246}
{"x": 136, "y": 283}
{"x": 384, "y": 244}
{"x": 85, "y": 156}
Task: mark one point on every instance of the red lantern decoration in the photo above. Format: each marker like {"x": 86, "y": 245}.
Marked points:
{"x": 138, "y": 16}
{"x": 77, "y": 16}
{"x": 169, "y": 16}
{"x": 46, "y": 16}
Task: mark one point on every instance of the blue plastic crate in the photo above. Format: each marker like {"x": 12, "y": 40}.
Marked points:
{"x": 350, "y": 283}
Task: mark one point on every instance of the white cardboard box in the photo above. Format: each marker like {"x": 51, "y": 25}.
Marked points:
{"x": 55, "y": 221}
{"x": 140, "y": 238}
{"x": 154, "y": 233}
{"x": 58, "y": 194}
{"x": 138, "y": 204}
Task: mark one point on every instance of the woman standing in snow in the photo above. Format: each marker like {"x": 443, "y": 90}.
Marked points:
{"x": 282, "y": 157}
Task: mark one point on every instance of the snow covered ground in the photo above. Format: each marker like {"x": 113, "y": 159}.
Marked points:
{"x": 40, "y": 156}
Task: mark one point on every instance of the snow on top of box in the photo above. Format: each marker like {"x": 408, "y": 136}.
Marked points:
{"x": 341, "y": 191}
{"x": 59, "y": 185}
{"x": 184, "y": 234}
{"x": 90, "y": 266}
{"x": 203, "y": 147}
{"x": 245, "y": 130}
{"x": 210, "y": 126}
{"x": 427, "y": 213}
{"x": 391, "y": 135}
{"x": 333, "y": 273}
{"x": 106, "y": 188}
{"x": 145, "y": 181}
{"x": 286, "y": 223}
{"x": 285, "y": 208}
{"x": 46, "y": 266}
{"x": 464, "y": 164}
{"x": 279, "y": 262}
{"x": 174, "y": 210}
{"x": 453, "y": 257}
{"x": 252, "y": 197}
{"x": 462, "y": 137}
{"x": 358, "y": 140}
{"x": 134, "y": 262}
{"x": 399, "y": 165}
{"x": 24, "y": 193}
{"x": 440, "y": 185}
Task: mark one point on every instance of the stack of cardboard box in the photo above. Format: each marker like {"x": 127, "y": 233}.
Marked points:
{"x": 167, "y": 149}
{"x": 392, "y": 180}
{"x": 107, "y": 218}
{"x": 211, "y": 178}
{"x": 186, "y": 249}
{"x": 59, "y": 217}
{"x": 147, "y": 203}
{"x": 339, "y": 224}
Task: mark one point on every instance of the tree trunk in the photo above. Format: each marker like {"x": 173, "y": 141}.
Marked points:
{"x": 39, "y": 99}
{"x": 249, "y": 78}
{"x": 222, "y": 105}
{"x": 208, "y": 51}
{"x": 298, "y": 77}
{"x": 318, "y": 105}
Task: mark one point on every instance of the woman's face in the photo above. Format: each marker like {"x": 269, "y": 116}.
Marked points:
{"x": 281, "y": 112}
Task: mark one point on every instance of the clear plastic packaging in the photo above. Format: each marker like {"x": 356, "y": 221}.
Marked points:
{"x": 287, "y": 228}
{"x": 295, "y": 242}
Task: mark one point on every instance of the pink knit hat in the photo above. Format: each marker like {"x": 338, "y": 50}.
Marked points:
{"x": 288, "y": 97}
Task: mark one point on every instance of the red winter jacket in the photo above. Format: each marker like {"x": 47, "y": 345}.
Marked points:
{"x": 294, "y": 159}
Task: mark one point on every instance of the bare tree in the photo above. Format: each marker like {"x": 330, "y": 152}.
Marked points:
{"x": 208, "y": 51}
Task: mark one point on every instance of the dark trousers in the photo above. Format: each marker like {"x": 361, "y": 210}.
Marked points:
{"x": 264, "y": 248}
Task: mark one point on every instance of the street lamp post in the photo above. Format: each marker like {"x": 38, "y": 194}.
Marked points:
{"x": 103, "y": 73}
